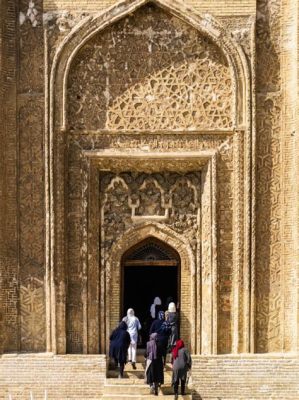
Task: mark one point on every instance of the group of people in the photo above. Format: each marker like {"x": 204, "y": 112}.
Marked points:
{"x": 163, "y": 339}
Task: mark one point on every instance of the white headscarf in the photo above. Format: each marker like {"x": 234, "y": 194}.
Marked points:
{"x": 130, "y": 314}
{"x": 133, "y": 325}
{"x": 171, "y": 307}
{"x": 157, "y": 302}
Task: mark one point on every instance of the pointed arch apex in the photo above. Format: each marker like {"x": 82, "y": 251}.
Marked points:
{"x": 87, "y": 28}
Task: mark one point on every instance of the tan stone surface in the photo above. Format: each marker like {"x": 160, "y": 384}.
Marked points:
{"x": 146, "y": 120}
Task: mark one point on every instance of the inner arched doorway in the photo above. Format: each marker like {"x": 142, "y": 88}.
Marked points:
{"x": 150, "y": 269}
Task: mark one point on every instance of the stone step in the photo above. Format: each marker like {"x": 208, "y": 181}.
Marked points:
{"x": 140, "y": 367}
{"x": 137, "y": 388}
{"x": 133, "y": 379}
{"x": 142, "y": 397}
{"x": 135, "y": 374}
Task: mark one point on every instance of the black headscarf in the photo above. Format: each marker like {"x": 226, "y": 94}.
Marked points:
{"x": 119, "y": 342}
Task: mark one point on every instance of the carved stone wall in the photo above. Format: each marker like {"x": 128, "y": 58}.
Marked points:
{"x": 182, "y": 81}
{"x": 225, "y": 246}
{"x": 31, "y": 178}
{"x": 9, "y": 332}
{"x": 171, "y": 199}
{"x": 174, "y": 79}
{"x": 269, "y": 296}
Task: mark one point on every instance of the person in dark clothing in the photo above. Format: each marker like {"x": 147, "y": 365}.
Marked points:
{"x": 119, "y": 344}
{"x": 162, "y": 328}
{"x": 181, "y": 363}
{"x": 154, "y": 375}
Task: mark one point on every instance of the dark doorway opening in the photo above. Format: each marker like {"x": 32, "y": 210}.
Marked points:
{"x": 150, "y": 269}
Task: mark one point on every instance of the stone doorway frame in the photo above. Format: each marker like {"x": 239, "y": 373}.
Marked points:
{"x": 166, "y": 235}
{"x": 201, "y": 303}
{"x": 55, "y": 163}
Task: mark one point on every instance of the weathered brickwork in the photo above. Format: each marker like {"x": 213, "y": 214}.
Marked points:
{"x": 52, "y": 377}
{"x": 174, "y": 120}
{"x": 245, "y": 377}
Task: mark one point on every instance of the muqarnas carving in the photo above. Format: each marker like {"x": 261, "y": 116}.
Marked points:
{"x": 170, "y": 198}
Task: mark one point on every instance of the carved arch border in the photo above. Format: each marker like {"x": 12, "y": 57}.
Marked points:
{"x": 90, "y": 26}
{"x": 56, "y": 125}
{"x": 130, "y": 238}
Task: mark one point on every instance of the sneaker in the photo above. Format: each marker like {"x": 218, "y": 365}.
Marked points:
{"x": 133, "y": 365}
{"x": 176, "y": 396}
{"x": 152, "y": 390}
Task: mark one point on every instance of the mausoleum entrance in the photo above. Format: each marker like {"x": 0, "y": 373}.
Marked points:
{"x": 150, "y": 269}
{"x": 154, "y": 146}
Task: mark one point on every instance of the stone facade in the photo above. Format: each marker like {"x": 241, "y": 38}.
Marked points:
{"x": 136, "y": 119}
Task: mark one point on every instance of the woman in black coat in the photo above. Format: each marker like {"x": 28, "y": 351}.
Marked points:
{"x": 163, "y": 329}
{"x": 154, "y": 375}
{"x": 119, "y": 344}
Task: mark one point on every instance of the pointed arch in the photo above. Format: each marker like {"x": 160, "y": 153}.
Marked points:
{"x": 91, "y": 25}
{"x": 131, "y": 238}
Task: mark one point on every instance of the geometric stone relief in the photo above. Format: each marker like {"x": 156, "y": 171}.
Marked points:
{"x": 240, "y": 28}
{"x": 126, "y": 199}
{"x": 225, "y": 245}
{"x": 130, "y": 198}
{"x": 175, "y": 78}
{"x": 31, "y": 185}
{"x": 125, "y": 205}
{"x": 31, "y": 224}
{"x": 268, "y": 44}
{"x": 32, "y": 310}
{"x": 269, "y": 245}
{"x": 268, "y": 286}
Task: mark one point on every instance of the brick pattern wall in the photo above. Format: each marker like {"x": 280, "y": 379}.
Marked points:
{"x": 245, "y": 377}
{"x": 43, "y": 376}
{"x": 290, "y": 165}
{"x": 31, "y": 190}
{"x": 8, "y": 176}
{"x": 216, "y": 7}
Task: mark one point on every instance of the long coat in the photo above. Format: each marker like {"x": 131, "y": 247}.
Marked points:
{"x": 154, "y": 368}
{"x": 119, "y": 343}
{"x": 181, "y": 365}
{"x": 162, "y": 329}
{"x": 173, "y": 322}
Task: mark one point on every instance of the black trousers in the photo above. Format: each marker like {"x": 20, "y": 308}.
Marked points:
{"x": 176, "y": 386}
{"x": 121, "y": 366}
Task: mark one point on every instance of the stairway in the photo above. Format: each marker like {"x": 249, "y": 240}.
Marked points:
{"x": 132, "y": 386}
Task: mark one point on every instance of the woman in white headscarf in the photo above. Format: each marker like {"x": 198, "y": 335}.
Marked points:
{"x": 133, "y": 327}
{"x": 154, "y": 307}
{"x": 173, "y": 321}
